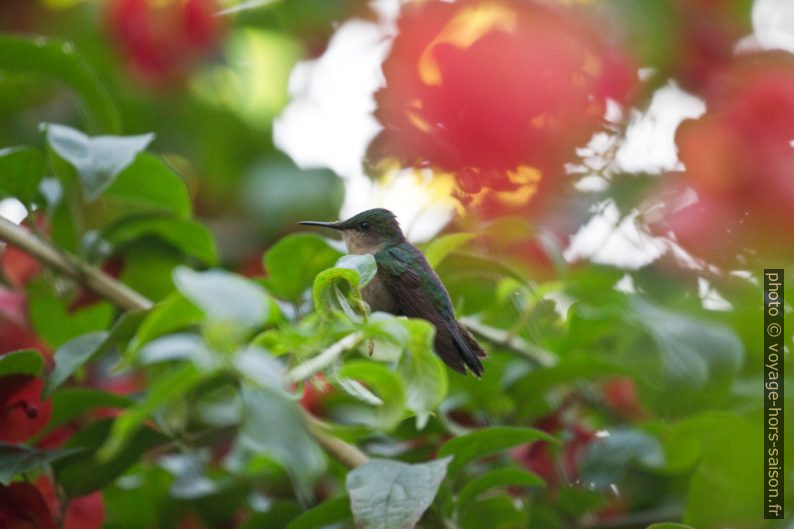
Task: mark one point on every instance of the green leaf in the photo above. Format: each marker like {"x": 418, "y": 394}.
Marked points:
{"x": 607, "y": 459}
{"x": 180, "y": 346}
{"x": 501, "y": 512}
{"x": 440, "y": 247}
{"x": 423, "y": 372}
{"x": 224, "y": 296}
{"x": 273, "y": 425}
{"x": 149, "y": 267}
{"x": 98, "y": 159}
{"x": 69, "y": 403}
{"x": 694, "y": 355}
{"x": 21, "y": 170}
{"x": 726, "y": 481}
{"x": 71, "y": 356}
{"x": 335, "y": 288}
{"x": 82, "y": 473}
{"x": 148, "y": 184}
{"x": 294, "y": 261}
{"x": 391, "y": 494}
{"x": 55, "y": 324}
{"x": 21, "y": 362}
{"x": 364, "y": 264}
{"x": 488, "y": 441}
{"x": 278, "y": 515}
{"x": 173, "y": 313}
{"x": 167, "y": 386}
{"x": 16, "y": 459}
{"x": 58, "y": 59}
{"x": 386, "y": 384}
{"x": 329, "y": 512}
{"x": 190, "y": 237}
{"x": 669, "y": 525}
{"x": 501, "y": 477}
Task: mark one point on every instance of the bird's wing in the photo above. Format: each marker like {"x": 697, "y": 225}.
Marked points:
{"x": 418, "y": 297}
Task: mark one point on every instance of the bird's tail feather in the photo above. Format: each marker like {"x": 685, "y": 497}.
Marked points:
{"x": 470, "y": 351}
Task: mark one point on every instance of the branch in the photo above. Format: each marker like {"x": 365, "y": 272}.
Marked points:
{"x": 89, "y": 276}
{"x": 506, "y": 339}
{"x": 125, "y": 298}
{"x": 305, "y": 370}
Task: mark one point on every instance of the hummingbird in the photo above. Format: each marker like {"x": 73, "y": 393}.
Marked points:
{"x": 406, "y": 285}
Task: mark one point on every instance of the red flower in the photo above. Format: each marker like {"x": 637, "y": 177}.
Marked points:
{"x": 493, "y": 90}
{"x": 621, "y": 395}
{"x": 162, "y": 40}
{"x": 739, "y": 160}
{"x": 18, "y": 267}
{"x": 22, "y": 413}
{"x": 23, "y": 507}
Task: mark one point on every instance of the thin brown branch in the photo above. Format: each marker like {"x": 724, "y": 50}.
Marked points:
{"x": 89, "y": 276}
{"x": 125, "y": 298}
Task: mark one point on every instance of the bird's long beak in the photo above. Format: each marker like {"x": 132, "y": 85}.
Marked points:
{"x": 332, "y": 225}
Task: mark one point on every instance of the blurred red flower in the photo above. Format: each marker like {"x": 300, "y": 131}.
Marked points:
{"x": 22, "y": 412}
{"x": 163, "y": 40}
{"x": 739, "y": 159}
{"x": 498, "y": 92}
{"x": 708, "y": 33}
{"x": 23, "y": 507}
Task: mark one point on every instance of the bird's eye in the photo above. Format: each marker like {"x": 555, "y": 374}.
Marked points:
{"x": 364, "y": 225}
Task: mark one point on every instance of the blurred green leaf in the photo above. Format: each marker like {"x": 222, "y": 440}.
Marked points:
{"x": 424, "y": 375}
{"x": 58, "y": 59}
{"x": 99, "y": 159}
{"x": 501, "y": 512}
{"x": 695, "y": 355}
{"x": 487, "y": 441}
{"x": 17, "y": 459}
{"x": 386, "y": 384}
{"x": 69, "y": 403}
{"x": 21, "y": 170}
{"x": 294, "y": 261}
{"x": 55, "y": 323}
{"x": 173, "y": 383}
{"x": 499, "y": 478}
{"x": 224, "y": 296}
{"x": 391, "y": 494}
{"x": 278, "y": 515}
{"x": 329, "y": 512}
{"x": 440, "y": 247}
{"x": 179, "y": 346}
{"x": 173, "y": 313}
{"x": 81, "y": 473}
{"x": 190, "y": 237}
{"x": 726, "y": 480}
{"x": 272, "y": 425}
{"x": 21, "y": 362}
{"x": 276, "y": 193}
{"x": 72, "y": 355}
{"x": 148, "y": 184}
{"x": 149, "y": 265}
{"x": 669, "y": 525}
{"x": 607, "y": 459}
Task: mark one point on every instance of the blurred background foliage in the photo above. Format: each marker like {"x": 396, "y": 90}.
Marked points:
{"x": 599, "y": 184}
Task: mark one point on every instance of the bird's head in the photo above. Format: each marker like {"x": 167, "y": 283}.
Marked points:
{"x": 366, "y": 232}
